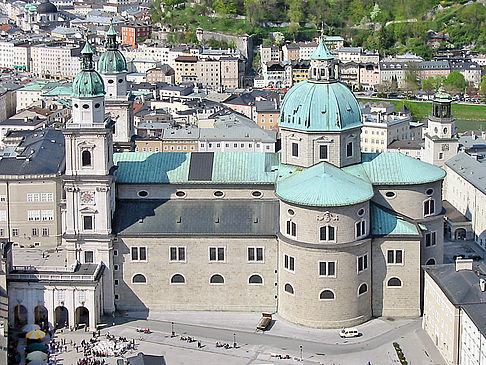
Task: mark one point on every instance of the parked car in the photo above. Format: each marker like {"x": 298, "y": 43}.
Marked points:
{"x": 349, "y": 333}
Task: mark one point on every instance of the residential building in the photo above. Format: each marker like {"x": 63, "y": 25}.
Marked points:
{"x": 290, "y": 52}
{"x": 267, "y": 114}
{"x": 232, "y": 73}
{"x": 133, "y": 33}
{"x": 208, "y": 73}
{"x": 300, "y": 71}
{"x": 306, "y": 49}
{"x": 163, "y": 73}
{"x": 471, "y": 71}
{"x": 55, "y": 60}
{"x": 269, "y": 53}
{"x": 186, "y": 69}
{"x": 334, "y": 42}
{"x": 380, "y": 130}
{"x": 430, "y": 69}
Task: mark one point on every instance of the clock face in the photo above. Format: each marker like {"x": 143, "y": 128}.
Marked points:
{"x": 87, "y": 197}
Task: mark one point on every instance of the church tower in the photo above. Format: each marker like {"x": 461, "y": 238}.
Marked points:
{"x": 89, "y": 181}
{"x": 441, "y": 141}
{"x": 112, "y": 66}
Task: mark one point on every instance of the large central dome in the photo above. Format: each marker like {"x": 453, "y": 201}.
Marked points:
{"x": 322, "y": 103}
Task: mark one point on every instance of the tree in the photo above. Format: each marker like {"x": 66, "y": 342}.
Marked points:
{"x": 482, "y": 88}
{"x": 432, "y": 84}
{"x": 455, "y": 82}
{"x": 256, "y": 62}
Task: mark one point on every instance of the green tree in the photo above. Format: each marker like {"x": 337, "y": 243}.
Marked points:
{"x": 432, "y": 84}
{"x": 225, "y": 6}
{"x": 482, "y": 88}
{"x": 455, "y": 82}
{"x": 256, "y": 62}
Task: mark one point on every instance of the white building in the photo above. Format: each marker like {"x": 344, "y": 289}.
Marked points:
{"x": 55, "y": 61}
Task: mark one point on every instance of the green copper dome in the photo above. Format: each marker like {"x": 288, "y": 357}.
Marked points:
{"x": 323, "y": 185}
{"x": 88, "y": 83}
{"x": 320, "y": 107}
{"x": 112, "y": 61}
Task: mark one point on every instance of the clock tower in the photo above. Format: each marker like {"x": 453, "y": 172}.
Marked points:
{"x": 441, "y": 141}
{"x": 89, "y": 181}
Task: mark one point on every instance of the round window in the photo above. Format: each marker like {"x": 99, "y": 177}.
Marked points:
{"x": 256, "y": 194}
{"x": 180, "y": 194}
{"x": 97, "y": 105}
{"x": 445, "y": 130}
{"x": 120, "y": 81}
{"x": 76, "y": 105}
{"x": 291, "y": 212}
{"x": 85, "y": 106}
{"x": 218, "y": 194}
{"x": 390, "y": 194}
{"x": 436, "y": 130}
{"x": 111, "y": 81}
{"x": 361, "y": 212}
{"x": 429, "y": 191}
{"x": 143, "y": 193}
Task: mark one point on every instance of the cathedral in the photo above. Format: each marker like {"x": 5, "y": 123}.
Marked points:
{"x": 319, "y": 233}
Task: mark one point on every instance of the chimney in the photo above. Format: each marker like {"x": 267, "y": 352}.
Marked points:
{"x": 482, "y": 284}
{"x": 464, "y": 264}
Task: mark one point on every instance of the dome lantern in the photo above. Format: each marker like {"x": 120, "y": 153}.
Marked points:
{"x": 112, "y": 61}
{"x": 322, "y": 63}
{"x": 88, "y": 83}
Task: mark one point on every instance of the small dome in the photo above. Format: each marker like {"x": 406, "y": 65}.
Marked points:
{"x": 45, "y": 7}
{"x": 88, "y": 84}
{"x": 112, "y": 62}
{"x": 320, "y": 107}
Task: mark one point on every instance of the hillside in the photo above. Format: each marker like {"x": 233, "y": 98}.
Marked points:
{"x": 464, "y": 21}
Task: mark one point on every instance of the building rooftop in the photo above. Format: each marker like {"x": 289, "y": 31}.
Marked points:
{"x": 406, "y": 144}
{"x": 386, "y": 223}
{"x": 140, "y": 217}
{"x": 469, "y": 169}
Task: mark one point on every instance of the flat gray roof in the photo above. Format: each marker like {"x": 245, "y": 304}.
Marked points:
{"x": 469, "y": 169}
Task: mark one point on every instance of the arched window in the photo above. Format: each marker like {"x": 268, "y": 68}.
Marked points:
{"x": 289, "y": 288}
{"x": 430, "y": 262}
{"x": 363, "y": 288}
{"x": 394, "y": 282}
{"x": 429, "y": 207}
{"x": 139, "y": 279}
{"x": 255, "y": 279}
{"x": 349, "y": 149}
{"x": 327, "y": 233}
{"x": 326, "y": 295}
{"x": 216, "y": 279}
{"x": 86, "y": 158}
{"x": 177, "y": 279}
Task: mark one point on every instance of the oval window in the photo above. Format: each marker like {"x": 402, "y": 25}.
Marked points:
{"x": 256, "y": 194}
{"x": 97, "y": 105}
{"x": 76, "y": 105}
{"x": 120, "y": 81}
{"x": 218, "y": 194}
{"x": 85, "y": 106}
{"x": 111, "y": 81}
{"x": 361, "y": 212}
{"x": 180, "y": 194}
{"x": 445, "y": 130}
{"x": 143, "y": 193}
{"x": 390, "y": 194}
{"x": 291, "y": 212}
{"x": 429, "y": 191}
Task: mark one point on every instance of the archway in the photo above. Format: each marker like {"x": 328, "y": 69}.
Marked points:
{"x": 61, "y": 317}
{"x": 460, "y": 234}
{"x": 82, "y": 317}
{"x": 40, "y": 315}
{"x": 20, "y": 315}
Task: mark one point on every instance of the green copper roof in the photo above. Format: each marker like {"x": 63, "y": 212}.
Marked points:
{"x": 384, "y": 223}
{"x": 394, "y": 168}
{"x": 87, "y": 83}
{"x": 322, "y": 185}
{"x": 112, "y": 62}
{"x": 175, "y": 168}
{"x": 442, "y": 96}
{"x": 322, "y": 52}
{"x": 111, "y": 30}
{"x": 320, "y": 107}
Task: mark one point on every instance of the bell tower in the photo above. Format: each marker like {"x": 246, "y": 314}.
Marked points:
{"x": 89, "y": 181}
{"x": 441, "y": 141}
{"x": 112, "y": 66}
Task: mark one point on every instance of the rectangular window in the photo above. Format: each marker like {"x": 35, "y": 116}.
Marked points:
{"x": 15, "y": 232}
{"x": 2, "y": 232}
{"x": 362, "y": 262}
{"x": 216, "y": 254}
{"x": 88, "y": 257}
{"x": 3, "y": 215}
{"x": 291, "y": 228}
{"x": 327, "y": 268}
{"x": 35, "y": 232}
{"x": 349, "y": 149}
{"x": 394, "y": 256}
{"x": 360, "y": 229}
{"x": 295, "y": 149}
{"x": 33, "y": 197}
{"x": 429, "y": 207}
{"x": 327, "y": 233}
{"x": 87, "y": 222}
{"x": 323, "y": 152}
{"x": 139, "y": 253}
{"x": 33, "y": 215}
{"x": 430, "y": 239}
{"x": 289, "y": 263}
{"x": 47, "y": 197}
{"x": 3, "y": 198}
{"x": 47, "y": 215}
{"x": 45, "y": 232}
{"x": 177, "y": 253}
{"x": 255, "y": 254}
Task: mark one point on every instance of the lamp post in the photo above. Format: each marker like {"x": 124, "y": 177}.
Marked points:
{"x": 301, "y": 356}
{"x": 172, "y": 333}
{"x": 234, "y": 340}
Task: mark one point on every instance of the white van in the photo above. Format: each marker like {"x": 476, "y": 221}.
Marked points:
{"x": 349, "y": 333}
